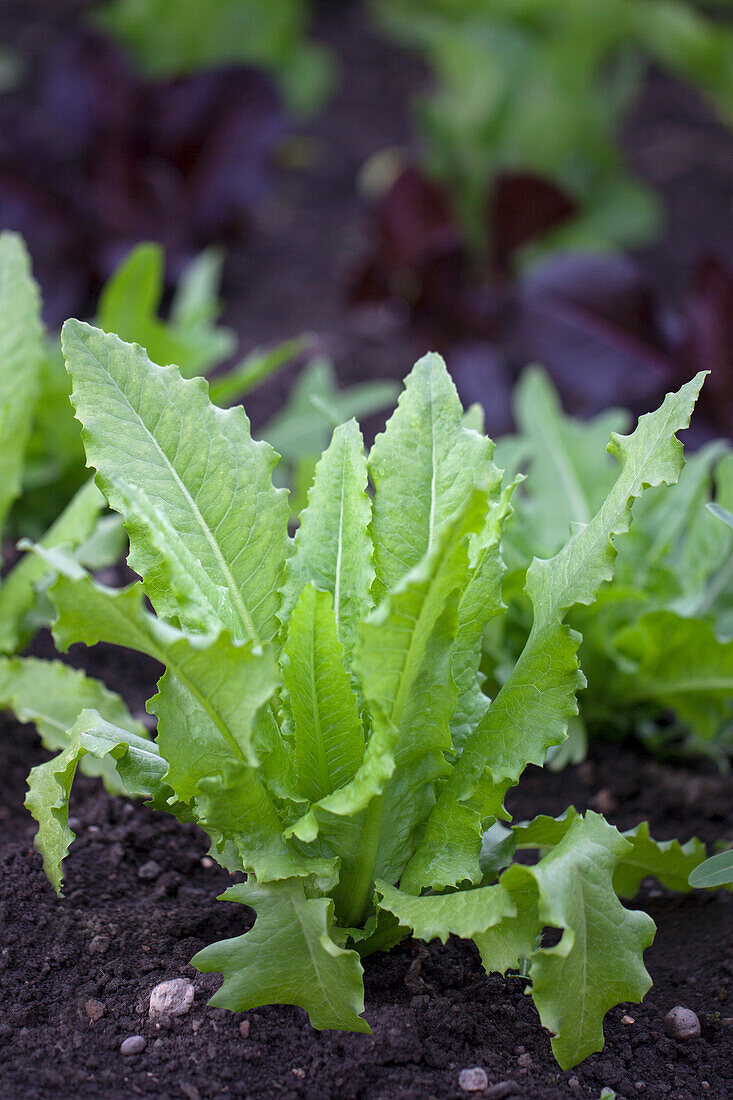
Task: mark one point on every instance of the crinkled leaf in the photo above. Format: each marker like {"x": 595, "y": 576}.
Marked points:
{"x": 18, "y": 589}
{"x": 659, "y": 667}
{"x": 333, "y": 549}
{"x": 208, "y": 532}
{"x": 52, "y": 695}
{"x": 289, "y": 957}
{"x": 326, "y": 728}
{"x": 424, "y": 466}
{"x": 21, "y": 355}
{"x": 137, "y": 761}
{"x": 465, "y": 913}
{"x": 598, "y": 961}
{"x": 531, "y": 711}
{"x": 668, "y": 861}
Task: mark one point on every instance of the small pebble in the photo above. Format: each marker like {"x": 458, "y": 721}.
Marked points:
{"x": 628, "y": 1020}
{"x": 94, "y": 1010}
{"x": 207, "y": 862}
{"x": 149, "y": 871}
{"x": 473, "y": 1080}
{"x": 244, "y": 1026}
{"x": 134, "y": 1044}
{"x": 682, "y": 1024}
{"x": 171, "y": 998}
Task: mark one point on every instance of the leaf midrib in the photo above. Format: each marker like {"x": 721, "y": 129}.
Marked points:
{"x": 244, "y": 615}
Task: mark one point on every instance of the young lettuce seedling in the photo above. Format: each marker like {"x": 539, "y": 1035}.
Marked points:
{"x": 321, "y": 715}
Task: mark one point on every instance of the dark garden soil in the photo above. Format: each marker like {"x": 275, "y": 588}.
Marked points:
{"x": 140, "y": 900}
{"x": 76, "y": 973}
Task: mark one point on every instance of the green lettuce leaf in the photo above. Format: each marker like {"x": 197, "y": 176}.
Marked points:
{"x": 599, "y": 959}
{"x": 18, "y": 591}
{"x": 657, "y": 667}
{"x": 328, "y": 742}
{"x": 208, "y": 532}
{"x": 423, "y": 466}
{"x": 465, "y": 913}
{"x": 130, "y": 302}
{"x": 51, "y": 695}
{"x": 138, "y": 763}
{"x": 21, "y": 355}
{"x": 289, "y": 957}
{"x": 333, "y": 549}
{"x": 531, "y": 711}
{"x": 668, "y": 861}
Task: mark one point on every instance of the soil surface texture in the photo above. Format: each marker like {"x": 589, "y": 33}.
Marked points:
{"x": 76, "y": 973}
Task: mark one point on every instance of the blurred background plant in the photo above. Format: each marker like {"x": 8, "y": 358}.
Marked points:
{"x": 541, "y": 88}
{"x": 507, "y": 234}
{"x": 170, "y": 38}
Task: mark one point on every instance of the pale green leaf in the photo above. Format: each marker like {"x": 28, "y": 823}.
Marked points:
{"x": 18, "y": 589}
{"x": 658, "y": 668}
{"x": 52, "y": 695}
{"x": 289, "y": 957}
{"x": 668, "y": 861}
{"x": 570, "y": 471}
{"x": 208, "y": 532}
{"x": 137, "y": 761}
{"x": 531, "y": 711}
{"x": 326, "y": 728}
{"x": 465, "y": 913}
{"x": 254, "y": 369}
{"x": 424, "y": 466}
{"x": 211, "y": 689}
{"x": 302, "y": 429}
{"x": 333, "y": 549}
{"x": 598, "y": 962}
{"x": 480, "y": 601}
{"x": 207, "y": 704}
{"x": 130, "y": 302}
{"x": 21, "y": 355}
{"x": 714, "y": 872}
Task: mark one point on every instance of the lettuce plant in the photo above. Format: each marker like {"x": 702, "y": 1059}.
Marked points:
{"x": 671, "y": 594}
{"x": 543, "y": 86}
{"x": 321, "y": 714}
{"x": 47, "y": 693}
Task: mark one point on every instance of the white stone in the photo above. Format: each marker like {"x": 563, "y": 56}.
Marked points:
{"x": 473, "y": 1080}
{"x": 172, "y": 998}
